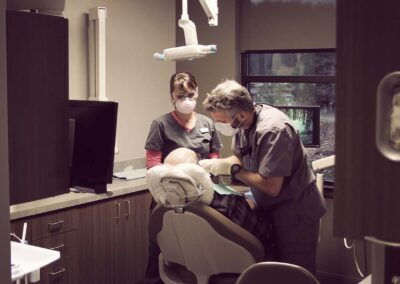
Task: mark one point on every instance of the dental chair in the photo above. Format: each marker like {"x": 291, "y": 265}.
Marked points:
{"x": 276, "y": 273}
{"x": 194, "y": 238}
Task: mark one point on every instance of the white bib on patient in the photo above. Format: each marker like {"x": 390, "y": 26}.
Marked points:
{"x": 177, "y": 186}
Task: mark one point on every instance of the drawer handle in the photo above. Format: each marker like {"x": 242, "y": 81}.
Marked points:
{"x": 57, "y": 275}
{"x": 128, "y": 206}
{"x": 55, "y": 226}
{"x": 58, "y": 248}
{"x": 118, "y": 207}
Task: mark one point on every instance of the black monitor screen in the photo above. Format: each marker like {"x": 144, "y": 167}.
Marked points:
{"x": 306, "y": 120}
{"x": 93, "y": 146}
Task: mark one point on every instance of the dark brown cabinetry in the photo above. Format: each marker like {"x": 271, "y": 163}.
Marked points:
{"x": 366, "y": 183}
{"x": 104, "y": 242}
{"x": 114, "y": 239}
{"x": 57, "y": 231}
{"x": 37, "y": 79}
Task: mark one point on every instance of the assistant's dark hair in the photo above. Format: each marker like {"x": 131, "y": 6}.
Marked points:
{"x": 184, "y": 82}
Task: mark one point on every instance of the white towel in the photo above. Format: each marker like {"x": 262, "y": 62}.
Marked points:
{"x": 176, "y": 186}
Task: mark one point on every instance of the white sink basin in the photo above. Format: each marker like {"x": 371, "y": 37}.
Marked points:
{"x": 26, "y": 259}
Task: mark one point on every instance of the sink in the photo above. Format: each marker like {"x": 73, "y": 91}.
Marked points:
{"x": 26, "y": 259}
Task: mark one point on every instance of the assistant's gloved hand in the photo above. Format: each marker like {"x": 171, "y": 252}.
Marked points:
{"x": 217, "y": 167}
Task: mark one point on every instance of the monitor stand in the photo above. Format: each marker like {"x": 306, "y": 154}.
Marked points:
{"x": 82, "y": 189}
{"x": 99, "y": 188}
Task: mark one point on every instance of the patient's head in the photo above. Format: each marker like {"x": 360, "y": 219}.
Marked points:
{"x": 180, "y": 180}
{"x": 181, "y": 155}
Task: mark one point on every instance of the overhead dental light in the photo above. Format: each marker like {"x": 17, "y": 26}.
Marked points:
{"x": 192, "y": 49}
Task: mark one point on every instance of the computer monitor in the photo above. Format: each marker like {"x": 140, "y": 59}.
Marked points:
{"x": 93, "y": 146}
{"x": 306, "y": 120}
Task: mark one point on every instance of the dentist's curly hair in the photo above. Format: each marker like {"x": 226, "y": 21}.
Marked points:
{"x": 229, "y": 96}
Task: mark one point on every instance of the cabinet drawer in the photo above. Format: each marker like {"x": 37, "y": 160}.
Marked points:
{"x": 63, "y": 271}
{"x": 54, "y": 223}
{"x": 65, "y": 243}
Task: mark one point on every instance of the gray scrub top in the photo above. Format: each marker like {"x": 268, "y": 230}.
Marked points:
{"x": 272, "y": 147}
{"x": 166, "y": 134}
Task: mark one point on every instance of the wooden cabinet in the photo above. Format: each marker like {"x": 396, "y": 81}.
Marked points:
{"x": 132, "y": 238}
{"x": 104, "y": 242}
{"x": 57, "y": 231}
{"x": 114, "y": 239}
{"x": 366, "y": 183}
{"x": 37, "y": 95}
{"x": 96, "y": 242}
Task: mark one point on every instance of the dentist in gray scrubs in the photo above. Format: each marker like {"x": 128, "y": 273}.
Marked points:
{"x": 269, "y": 157}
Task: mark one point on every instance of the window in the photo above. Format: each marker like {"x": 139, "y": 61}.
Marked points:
{"x": 292, "y": 79}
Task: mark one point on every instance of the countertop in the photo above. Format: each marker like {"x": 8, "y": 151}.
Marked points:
{"x": 119, "y": 187}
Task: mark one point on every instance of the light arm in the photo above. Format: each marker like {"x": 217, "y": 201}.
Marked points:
{"x": 210, "y": 7}
{"x": 189, "y": 28}
{"x": 324, "y": 163}
{"x": 318, "y": 166}
{"x": 192, "y": 49}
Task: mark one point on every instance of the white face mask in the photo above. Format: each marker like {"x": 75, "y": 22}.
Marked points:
{"x": 185, "y": 106}
{"x": 226, "y": 128}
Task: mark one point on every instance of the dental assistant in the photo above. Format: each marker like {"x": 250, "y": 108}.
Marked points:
{"x": 182, "y": 127}
{"x": 273, "y": 163}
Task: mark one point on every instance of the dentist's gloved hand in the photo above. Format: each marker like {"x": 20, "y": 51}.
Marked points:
{"x": 217, "y": 167}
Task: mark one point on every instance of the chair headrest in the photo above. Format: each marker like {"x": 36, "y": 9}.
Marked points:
{"x": 180, "y": 185}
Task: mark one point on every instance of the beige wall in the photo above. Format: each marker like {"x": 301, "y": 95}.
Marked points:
{"x": 214, "y": 68}
{"x": 4, "y": 185}
{"x": 135, "y": 30}
{"x": 287, "y": 26}
{"x": 245, "y": 26}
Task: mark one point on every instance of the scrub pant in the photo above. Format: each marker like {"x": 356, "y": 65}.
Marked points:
{"x": 152, "y": 275}
{"x": 297, "y": 244}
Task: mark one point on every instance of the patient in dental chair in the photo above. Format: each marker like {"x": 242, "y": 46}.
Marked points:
{"x": 181, "y": 165}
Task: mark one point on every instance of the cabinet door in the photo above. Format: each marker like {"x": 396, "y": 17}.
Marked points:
{"x": 97, "y": 242}
{"x": 366, "y": 183}
{"x": 37, "y": 94}
{"x": 132, "y": 241}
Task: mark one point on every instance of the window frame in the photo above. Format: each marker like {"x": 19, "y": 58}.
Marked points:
{"x": 246, "y": 80}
